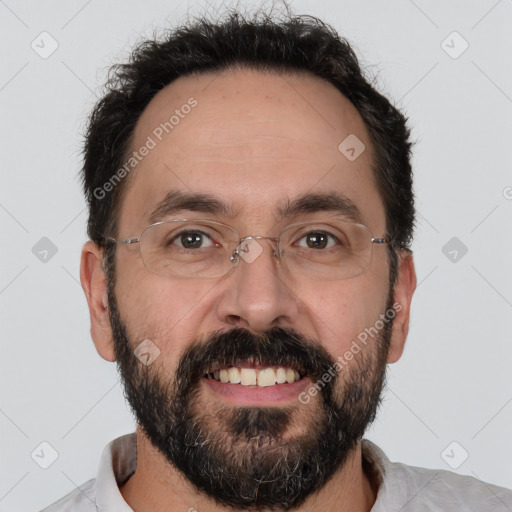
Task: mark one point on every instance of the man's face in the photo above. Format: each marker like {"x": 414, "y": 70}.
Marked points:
{"x": 257, "y": 142}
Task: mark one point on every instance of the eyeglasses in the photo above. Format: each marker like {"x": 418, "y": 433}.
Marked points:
{"x": 195, "y": 248}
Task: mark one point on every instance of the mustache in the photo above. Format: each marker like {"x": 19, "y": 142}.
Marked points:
{"x": 275, "y": 347}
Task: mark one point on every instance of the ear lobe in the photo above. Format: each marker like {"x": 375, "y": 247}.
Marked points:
{"x": 403, "y": 292}
{"x": 94, "y": 285}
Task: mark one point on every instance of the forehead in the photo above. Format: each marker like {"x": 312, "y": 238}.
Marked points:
{"x": 255, "y": 139}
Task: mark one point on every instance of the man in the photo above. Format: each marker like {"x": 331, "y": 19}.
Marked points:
{"x": 251, "y": 215}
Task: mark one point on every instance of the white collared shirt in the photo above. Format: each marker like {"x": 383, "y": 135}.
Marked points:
{"x": 401, "y": 488}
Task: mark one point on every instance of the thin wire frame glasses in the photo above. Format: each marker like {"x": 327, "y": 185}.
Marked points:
{"x": 198, "y": 248}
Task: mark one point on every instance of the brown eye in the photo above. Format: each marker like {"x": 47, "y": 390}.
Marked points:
{"x": 191, "y": 240}
{"x": 318, "y": 240}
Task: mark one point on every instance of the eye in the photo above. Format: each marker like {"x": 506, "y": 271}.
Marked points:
{"x": 318, "y": 240}
{"x": 192, "y": 240}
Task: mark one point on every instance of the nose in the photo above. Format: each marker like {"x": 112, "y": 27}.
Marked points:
{"x": 258, "y": 294}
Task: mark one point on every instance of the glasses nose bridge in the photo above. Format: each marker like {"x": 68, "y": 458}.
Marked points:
{"x": 257, "y": 237}
{"x": 243, "y": 250}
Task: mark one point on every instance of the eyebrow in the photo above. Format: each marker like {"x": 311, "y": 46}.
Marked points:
{"x": 334, "y": 202}
{"x": 176, "y": 201}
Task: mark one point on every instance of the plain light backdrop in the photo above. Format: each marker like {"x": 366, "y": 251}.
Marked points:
{"x": 450, "y": 396}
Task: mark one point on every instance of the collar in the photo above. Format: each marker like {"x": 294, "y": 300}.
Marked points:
{"x": 118, "y": 463}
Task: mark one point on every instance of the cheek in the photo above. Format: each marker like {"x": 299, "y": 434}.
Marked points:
{"x": 164, "y": 310}
{"x": 343, "y": 310}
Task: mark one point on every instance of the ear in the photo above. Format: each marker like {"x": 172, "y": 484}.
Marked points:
{"x": 403, "y": 291}
{"x": 94, "y": 285}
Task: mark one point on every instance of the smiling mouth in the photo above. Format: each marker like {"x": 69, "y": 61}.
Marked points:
{"x": 249, "y": 373}
{"x": 266, "y": 376}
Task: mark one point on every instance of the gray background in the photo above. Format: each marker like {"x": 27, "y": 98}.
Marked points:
{"x": 453, "y": 383}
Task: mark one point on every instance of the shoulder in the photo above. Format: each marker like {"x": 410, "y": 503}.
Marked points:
{"x": 444, "y": 490}
{"x": 419, "y": 489}
{"x": 80, "y": 500}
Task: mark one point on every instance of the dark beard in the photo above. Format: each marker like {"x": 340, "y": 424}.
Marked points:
{"x": 240, "y": 456}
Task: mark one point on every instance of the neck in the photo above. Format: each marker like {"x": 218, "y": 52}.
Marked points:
{"x": 156, "y": 486}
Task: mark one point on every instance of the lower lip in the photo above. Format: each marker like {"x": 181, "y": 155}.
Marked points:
{"x": 250, "y": 395}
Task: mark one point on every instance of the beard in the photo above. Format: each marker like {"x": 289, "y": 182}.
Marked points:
{"x": 253, "y": 457}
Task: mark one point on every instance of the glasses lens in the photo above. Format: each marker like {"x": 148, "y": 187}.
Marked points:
{"x": 327, "y": 250}
{"x": 188, "y": 249}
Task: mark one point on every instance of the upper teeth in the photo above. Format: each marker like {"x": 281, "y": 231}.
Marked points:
{"x": 253, "y": 377}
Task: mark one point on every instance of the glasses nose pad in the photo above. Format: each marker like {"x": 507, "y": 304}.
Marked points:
{"x": 235, "y": 256}
{"x": 279, "y": 254}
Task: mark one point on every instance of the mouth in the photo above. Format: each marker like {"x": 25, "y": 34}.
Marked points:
{"x": 261, "y": 377}
{"x": 254, "y": 383}
{"x": 250, "y": 373}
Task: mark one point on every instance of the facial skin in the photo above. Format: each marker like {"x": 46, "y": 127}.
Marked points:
{"x": 254, "y": 140}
